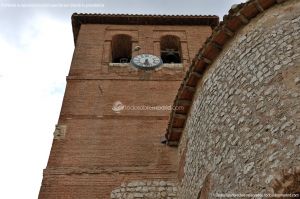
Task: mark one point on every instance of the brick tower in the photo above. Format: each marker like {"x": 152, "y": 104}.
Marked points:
{"x": 109, "y": 133}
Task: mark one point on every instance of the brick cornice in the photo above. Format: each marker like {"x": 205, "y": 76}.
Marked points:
{"x": 103, "y": 170}
{"x": 128, "y": 19}
{"x": 113, "y": 117}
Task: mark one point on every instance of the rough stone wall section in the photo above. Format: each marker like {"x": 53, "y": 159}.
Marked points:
{"x": 244, "y": 123}
{"x": 146, "y": 189}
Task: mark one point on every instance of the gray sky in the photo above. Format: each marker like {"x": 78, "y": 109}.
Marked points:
{"x": 36, "y": 46}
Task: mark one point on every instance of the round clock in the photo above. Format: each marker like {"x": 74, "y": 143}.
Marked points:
{"x": 146, "y": 61}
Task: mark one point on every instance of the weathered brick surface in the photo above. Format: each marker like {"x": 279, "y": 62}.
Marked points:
{"x": 94, "y": 44}
{"x": 244, "y": 124}
{"x": 98, "y": 149}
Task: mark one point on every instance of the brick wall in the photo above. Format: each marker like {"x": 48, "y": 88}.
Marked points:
{"x": 92, "y": 53}
{"x": 95, "y": 149}
{"x": 243, "y": 128}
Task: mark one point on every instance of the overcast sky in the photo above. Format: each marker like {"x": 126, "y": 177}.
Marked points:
{"x": 36, "y": 46}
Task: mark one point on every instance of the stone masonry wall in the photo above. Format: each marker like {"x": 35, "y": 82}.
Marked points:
{"x": 146, "y": 189}
{"x": 245, "y": 120}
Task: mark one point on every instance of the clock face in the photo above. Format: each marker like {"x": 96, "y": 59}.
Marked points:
{"x": 146, "y": 61}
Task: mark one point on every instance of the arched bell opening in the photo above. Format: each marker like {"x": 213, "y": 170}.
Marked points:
{"x": 121, "y": 48}
{"x": 170, "y": 49}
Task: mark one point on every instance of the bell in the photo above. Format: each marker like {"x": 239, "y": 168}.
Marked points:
{"x": 124, "y": 60}
{"x": 172, "y": 56}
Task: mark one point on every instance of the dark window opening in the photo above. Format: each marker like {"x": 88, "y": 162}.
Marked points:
{"x": 170, "y": 49}
{"x": 121, "y": 49}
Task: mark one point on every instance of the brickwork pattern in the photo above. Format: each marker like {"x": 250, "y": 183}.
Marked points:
{"x": 244, "y": 123}
{"x": 97, "y": 149}
{"x": 93, "y": 48}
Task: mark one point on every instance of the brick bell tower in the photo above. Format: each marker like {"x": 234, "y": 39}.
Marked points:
{"x": 125, "y": 70}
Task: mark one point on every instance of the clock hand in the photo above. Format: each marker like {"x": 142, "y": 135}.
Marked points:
{"x": 146, "y": 62}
